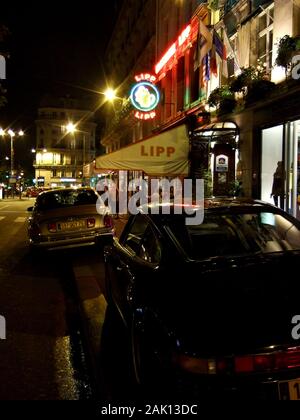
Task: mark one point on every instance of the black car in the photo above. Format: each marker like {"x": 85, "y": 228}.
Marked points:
{"x": 209, "y": 308}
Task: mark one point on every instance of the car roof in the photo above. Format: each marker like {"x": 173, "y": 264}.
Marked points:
{"x": 55, "y": 190}
{"x": 211, "y": 203}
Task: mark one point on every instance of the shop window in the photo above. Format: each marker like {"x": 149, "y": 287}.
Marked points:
{"x": 272, "y": 154}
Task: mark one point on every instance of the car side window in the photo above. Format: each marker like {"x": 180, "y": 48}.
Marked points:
{"x": 150, "y": 250}
{"x": 133, "y": 240}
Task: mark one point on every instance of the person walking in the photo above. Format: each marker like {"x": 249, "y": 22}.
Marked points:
{"x": 278, "y": 186}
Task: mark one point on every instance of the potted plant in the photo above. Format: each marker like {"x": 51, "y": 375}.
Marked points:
{"x": 287, "y": 46}
{"x": 223, "y": 99}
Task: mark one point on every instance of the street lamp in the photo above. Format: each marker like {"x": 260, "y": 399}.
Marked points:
{"x": 12, "y": 134}
{"x": 71, "y": 128}
{"x": 110, "y": 94}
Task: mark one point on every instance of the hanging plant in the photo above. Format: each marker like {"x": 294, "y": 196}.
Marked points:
{"x": 258, "y": 90}
{"x": 286, "y": 49}
{"x": 223, "y": 99}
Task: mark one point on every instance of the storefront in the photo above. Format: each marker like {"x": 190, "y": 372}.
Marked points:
{"x": 215, "y": 156}
{"x": 280, "y": 166}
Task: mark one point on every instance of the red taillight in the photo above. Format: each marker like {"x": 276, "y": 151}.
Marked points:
{"x": 289, "y": 359}
{"x": 244, "y": 364}
{"x": 90, "y": 223}
{"x": 263, "y": 362}
{"x": 108, "y": 221}
{"x": 52, "y": 227}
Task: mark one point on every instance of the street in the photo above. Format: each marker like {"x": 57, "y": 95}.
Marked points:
{"x": 42, "y": 356}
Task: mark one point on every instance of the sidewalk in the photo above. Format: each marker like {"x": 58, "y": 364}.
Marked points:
{"x": 90, "y": 282}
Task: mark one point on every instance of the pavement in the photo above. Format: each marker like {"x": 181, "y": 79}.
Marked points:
{"x": 90, "y": 283}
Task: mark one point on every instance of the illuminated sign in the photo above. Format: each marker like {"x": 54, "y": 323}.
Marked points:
{"x": 145, "y": 115}
{"x": 183, "y": 37}
{"x": 145, "y": 96}
{"x": 146, "y": 77}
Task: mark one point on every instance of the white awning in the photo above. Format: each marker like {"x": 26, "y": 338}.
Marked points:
{"x": 165, "y": 154}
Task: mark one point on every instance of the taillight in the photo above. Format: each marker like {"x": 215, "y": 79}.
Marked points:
{"x": 90, "y": 223}
{"x": 108, "y": 221}
{"x": 196, "y": 365}
{"x": 52, "y": 227}
{"x": 289, "y": 359}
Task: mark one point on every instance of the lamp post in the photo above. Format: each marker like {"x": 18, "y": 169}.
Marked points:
{"x": 12, "y": 134}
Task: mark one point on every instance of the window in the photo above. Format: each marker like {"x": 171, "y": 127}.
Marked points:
{"x": 237, "y": 233}
{"x": 180, "y": 84}
{"x": 194, "y": 77}
{"x": 168, "y": 94}
{"x": 142, "y": 241}
{"x": 265, "y": 38}
{"x": 134, "y": 237}
{"x": 150, "y": 250}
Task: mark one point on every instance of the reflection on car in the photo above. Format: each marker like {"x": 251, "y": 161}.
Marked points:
{"x": 208, "y": 308}
{"x": 68, "y": 218}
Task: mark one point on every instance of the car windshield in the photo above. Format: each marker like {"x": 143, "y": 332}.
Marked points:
{"x": 234, "y": 234}
{"x": 65, "y": 198}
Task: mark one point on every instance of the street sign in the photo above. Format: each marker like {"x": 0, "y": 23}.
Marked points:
{"x": 12, "y": 180}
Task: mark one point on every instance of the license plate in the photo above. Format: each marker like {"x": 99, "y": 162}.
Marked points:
{"x": 73, "y": 225}
{"x": 290, "y": 390}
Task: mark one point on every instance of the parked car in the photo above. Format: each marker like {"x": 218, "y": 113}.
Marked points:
{"x": 208, "y": 308}
{"x": 68, "y": 218}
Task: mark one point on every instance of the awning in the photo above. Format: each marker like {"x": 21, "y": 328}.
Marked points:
{"x": 212, "y": 131}
{"x": 165, "y": 154}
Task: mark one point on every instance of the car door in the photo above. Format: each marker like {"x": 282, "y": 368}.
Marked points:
{"x": 135, "y": 257}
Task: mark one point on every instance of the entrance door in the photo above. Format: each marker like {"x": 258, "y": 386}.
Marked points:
{"x": 224, "y": 170}
{"x": 292, "y": 153}
{"x": 272, "y": 161}
{"x": 280, "y": 177}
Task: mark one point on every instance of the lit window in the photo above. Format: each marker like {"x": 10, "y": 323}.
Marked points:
{"x": 265, "y": 38}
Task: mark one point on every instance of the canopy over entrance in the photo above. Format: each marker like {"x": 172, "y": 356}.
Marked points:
{"x": 165, "y": 154}
{"x": 217, "y": 131}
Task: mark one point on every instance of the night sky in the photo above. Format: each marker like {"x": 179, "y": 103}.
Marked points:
{"x": 55, "y": 47}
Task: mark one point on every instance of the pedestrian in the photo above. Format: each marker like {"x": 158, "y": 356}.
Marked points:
{"x": 278, "y": 186}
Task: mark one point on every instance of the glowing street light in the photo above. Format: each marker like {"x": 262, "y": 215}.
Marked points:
{"x": 70, "y": 128}
{"x": 110, "y": 94}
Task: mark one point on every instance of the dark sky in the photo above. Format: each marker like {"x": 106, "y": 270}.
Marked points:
{"x": 53, "y": 46}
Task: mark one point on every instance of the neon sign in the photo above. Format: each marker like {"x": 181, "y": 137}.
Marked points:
{"x": 183, "y": 37}
{"x": 145, "y": 96}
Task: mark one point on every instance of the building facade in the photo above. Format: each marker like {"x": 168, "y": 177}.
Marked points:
{"x": 217, "y": 70}
{"x": 65, "y": 142}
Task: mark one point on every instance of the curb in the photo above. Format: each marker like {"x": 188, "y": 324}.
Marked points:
{"x": 92, "y": 307}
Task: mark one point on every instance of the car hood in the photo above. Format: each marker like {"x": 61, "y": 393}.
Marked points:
{"x": 234, "y": 305}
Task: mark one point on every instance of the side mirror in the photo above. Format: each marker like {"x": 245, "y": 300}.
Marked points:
{"x": 30, "y": 209}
